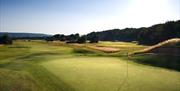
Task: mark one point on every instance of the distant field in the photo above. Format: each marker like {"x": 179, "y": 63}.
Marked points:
{"x": 47, "y": 66}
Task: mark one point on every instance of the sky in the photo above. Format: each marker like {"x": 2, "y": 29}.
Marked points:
{"x": 83, "y": 16}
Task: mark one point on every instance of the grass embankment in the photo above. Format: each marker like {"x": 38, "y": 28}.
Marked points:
{"x": 110, "y": 48}
{"x": 42, "y": 66}
{"x": 164, "y": 61}
{"x": 169, "y": 47}
{"x": 165, "y": 54}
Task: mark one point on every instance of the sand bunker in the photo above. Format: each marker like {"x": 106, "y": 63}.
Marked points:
{"x": 105, "y": 49}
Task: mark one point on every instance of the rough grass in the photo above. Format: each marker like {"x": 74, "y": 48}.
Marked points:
{"x": 124, "y": 47}
{"x": 165, "y": 61}
{"x": 120, "y": 48}
{"x": 165, "y": 54}
{"x": 171, "y": 45}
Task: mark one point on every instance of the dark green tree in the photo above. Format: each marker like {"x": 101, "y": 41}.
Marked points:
{"x": 5, "y": 39}
{"x": 145, "y": 35}
{"x": 48, "y": 39}
{"x": 94, "y": 38}
{"x": 82, "y": 39}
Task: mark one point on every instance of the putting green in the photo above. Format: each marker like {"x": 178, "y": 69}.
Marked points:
{"x": 110, "y": 74}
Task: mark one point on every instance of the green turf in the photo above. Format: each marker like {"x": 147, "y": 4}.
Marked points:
{"x": 110, "y": 74}
{"x": 54, "y": 66}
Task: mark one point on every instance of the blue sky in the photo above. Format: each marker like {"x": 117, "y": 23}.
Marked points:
{"x": 83, "y": 16}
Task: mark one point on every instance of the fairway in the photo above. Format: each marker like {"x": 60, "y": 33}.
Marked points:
{"x": 112, "y": 74}
{"x": 54, "y": 66}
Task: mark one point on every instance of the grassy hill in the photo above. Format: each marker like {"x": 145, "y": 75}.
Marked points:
{"x": 165, "y": 54}
{"x": 168, "y": 47}
{"x": 24, "y": 35}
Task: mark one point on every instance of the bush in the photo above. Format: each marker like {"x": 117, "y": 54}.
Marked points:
{"x": 5, "y": 39}
{"x": 49, "y": 39}
{"x": 94, "y": 38}
{"x": 81, "y": 39}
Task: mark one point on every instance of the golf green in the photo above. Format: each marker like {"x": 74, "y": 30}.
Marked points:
{"x": 112, "y": 74}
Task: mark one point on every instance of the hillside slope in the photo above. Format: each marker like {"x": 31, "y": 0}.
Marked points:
{"x": 23, "y": 35}
{"x": 168, "y": 47}
{"x": 165, "y": 54}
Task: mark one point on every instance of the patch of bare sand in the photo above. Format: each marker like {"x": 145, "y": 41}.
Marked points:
{"x": 105, "y": 49}
{"x": 78, "y": 45}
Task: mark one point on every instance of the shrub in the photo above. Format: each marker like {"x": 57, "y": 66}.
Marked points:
{"x": 5, "y": 39}
{"x": 81, "y": 39}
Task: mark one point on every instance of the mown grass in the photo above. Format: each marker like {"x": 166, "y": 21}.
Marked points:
{"x": 112, "y": 74}
{"x": 55, "y": 66}
{"x": 19, "y": 69}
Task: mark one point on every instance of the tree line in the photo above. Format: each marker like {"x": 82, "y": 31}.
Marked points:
{"x": 144, "y": 35}
{"x": 73, "y": 38}
{"x": 5, "y": 39}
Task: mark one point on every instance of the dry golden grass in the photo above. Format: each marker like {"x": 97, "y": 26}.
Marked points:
{"x": 168, "y": 46}
{"x": 97, "y": 47}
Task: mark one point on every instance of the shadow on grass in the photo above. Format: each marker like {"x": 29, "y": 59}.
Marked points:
{"x": 83, "y": 51}
{"x": 23, "y": 76}
{"x": 165, "y": 61}
{"x": 49, "y": 81}
{"x": 32, "y": 56}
